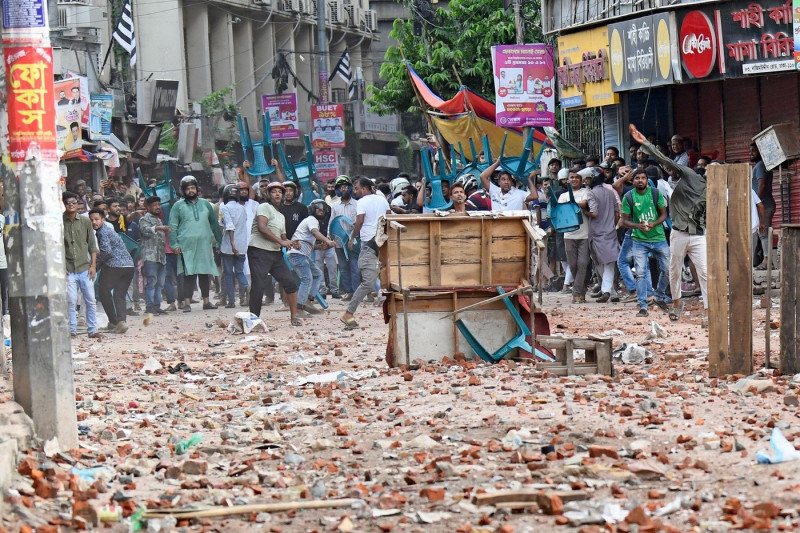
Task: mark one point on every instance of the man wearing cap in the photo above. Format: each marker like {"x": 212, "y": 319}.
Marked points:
{"x": 194, "y": 228}
{"x": 604, "y": 212}
{"x": 267, "y": 236}
{"x": 154, "y": 256}
{"x": 576, "y": 243}
{"x": 505, "y": 195}
{"x": 349, "y": 275}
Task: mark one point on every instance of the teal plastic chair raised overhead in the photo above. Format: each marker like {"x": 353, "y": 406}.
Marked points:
{"x": 258, "y": 165}
{"x": 517, "y": 341}
{"x": 303, "y": 173}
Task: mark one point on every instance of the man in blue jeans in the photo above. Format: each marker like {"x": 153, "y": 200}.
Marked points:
{"x": 236, "y": 234}
{"x": 80, "y": 259}
{"x": 644, "y": 217}
{"x": 154, "y": 256}
{"x": 306, "y": 235}
{"x": 349, "y": 274}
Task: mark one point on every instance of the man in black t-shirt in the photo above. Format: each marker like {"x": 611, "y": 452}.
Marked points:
{"x": 292, "y": 210}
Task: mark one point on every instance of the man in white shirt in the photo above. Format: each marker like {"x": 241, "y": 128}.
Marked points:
{"x": 505, "y": 195}
{"x": 236, "y": 235}
{"x": 346, "y": 206}
{"x": 369, "y": 209}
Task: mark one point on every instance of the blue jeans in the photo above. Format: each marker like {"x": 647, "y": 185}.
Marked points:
{"x": 233, "y": 265}
{"x": 173, "y": 284}
{"x": 660, "y": 251}
{"x": 310, "y": 277}
{"x": 349, "y": 274}
{"x": 75, "y": 280}
{"x": 154, "y": 276}
{"x": 624, "y": 263}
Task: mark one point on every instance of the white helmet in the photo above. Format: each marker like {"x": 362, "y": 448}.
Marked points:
{"x": 398, "y": 186}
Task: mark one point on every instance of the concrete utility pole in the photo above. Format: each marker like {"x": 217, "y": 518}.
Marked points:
{"x": 322, "y": 46}
{"x": 42, "y": 360}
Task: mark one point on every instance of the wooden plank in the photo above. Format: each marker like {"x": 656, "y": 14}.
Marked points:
{"x": 525, "y": 495}
{"x": 462, "y": 275}
{"x": 740, "y": 266}
{"x": 435, "y": 241}
{"x": 560, "y": 371}
{"x": 455, "y": 327}
{"x": 486, "y": 252}
{"x": 603, "y": 354}
{"x": 460, "y": 229}
{"x": 790, "y": 271}
{"x": 507, "y": 273}
{"x": 717, "y": 261}
{"x": 570, "y": 362}
{"x": 509, "y": 249}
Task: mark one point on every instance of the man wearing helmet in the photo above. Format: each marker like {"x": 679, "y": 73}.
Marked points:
{"x": 349, "y": 275}
{"x": 267, "y": 236}
{"x": 306, "y": 235}
{"x": 234, "y": 241}
{"x": 193, "y": 230}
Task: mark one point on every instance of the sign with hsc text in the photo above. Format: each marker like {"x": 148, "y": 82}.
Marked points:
{"x": 327, "y": 163}
{"x": 524, "y": 85}
{"x": 282, "y": 111}
{"x": 327, "y": 126}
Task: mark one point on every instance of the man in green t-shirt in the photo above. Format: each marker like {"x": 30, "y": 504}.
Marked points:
{"x": 645, "y": 217}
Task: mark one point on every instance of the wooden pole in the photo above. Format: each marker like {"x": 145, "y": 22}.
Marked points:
{"x": 248, "y": 509}
{"x": 790, "y": 307}
{"x": 499, "y": 297}
{"x": 769, "y": 298}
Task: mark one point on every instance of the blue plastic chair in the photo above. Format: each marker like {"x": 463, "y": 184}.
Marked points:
{"x": 302, "y": 173}
{"x": 341, "y": 231}
{"x": 438, "y": 200}
{"x": 519, "y": 167}
{"x": 473, "y": 167}
{"x": 258, "y": 165}
{"x": 517, "y": 341}
{"x": 317, "y": 296}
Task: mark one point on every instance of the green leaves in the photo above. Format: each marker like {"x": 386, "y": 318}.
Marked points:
{"x": 459, "y": 36}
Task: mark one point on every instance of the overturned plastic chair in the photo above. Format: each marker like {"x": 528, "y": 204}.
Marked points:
{"x": 519, "y": 167}
{"x": 163, "y": 189}
{"x": 438, "y": 200}
{"x": 303, "y": 173}
{"x": 259, "y": 165}
{"x": 317, "y": 296}
{"x": 473, "y": 167}
{"x": 517, "y": 341}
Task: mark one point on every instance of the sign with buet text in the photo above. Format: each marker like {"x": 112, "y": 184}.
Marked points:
{"x": 327, "y": 126}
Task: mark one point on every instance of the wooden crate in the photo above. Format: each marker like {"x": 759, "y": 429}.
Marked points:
{"x": 433, "y": 335}
{"x": 597, "y": 349}
{"x": 456, "y": 251}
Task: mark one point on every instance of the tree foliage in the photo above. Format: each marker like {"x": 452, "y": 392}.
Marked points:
{"x": 459, "y": 36}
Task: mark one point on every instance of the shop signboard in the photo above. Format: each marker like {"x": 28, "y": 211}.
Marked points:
{"x": 583, "y": 73}
{"x": 641, "y": 51}
{"x": 796, "y": 26}
{"x": 736, "y": 39}
{"x": 523, "y": 85}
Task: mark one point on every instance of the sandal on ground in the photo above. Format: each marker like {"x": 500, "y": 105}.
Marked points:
{"x": 297, "y": 322}
{"x": 674, "y": 314}
{"x": 349, "y": 324}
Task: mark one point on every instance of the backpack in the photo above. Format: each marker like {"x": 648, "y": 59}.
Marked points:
{"x": 565, "y": 217}
{"x": 655, "y": 192}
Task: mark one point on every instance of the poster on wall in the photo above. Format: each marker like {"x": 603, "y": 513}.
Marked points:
{"x": 100, "y": 110}
{"x": 327, "y": 163}
{"x": 282, "y": 111}
{"x": 744, "y": 38}
{"x": 69, "y": 113}
{"x": 30, "y": 106}
{"x": 327, "y": 123}
{"x": 796, "y": 27}
{"x": 523, "y": 85}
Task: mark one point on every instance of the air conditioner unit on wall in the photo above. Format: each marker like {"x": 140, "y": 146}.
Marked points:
{"x": 371, "y": 20}
{"x": 337, "y": 14}
{"x": 265, "y": 3}
{"x": 292, "y": 6}
{"x": 353, "y": 16}
{"x": 309, "y": 7}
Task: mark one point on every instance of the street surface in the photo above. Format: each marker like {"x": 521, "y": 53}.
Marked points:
{"x": 659, "y": 446}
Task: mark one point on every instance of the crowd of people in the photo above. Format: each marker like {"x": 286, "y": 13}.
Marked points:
{"x": 640, "y": 237}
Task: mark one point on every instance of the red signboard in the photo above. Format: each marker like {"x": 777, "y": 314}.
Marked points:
{"x": 327, "y": 163}
{"x": 327, "y": 126}
{"x": 31, "y": 105}
{"x": 698, "y": 44}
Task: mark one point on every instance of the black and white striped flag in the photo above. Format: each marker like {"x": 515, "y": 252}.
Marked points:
{"x": 343, "y": 71}
{"x": 124, "y": 33}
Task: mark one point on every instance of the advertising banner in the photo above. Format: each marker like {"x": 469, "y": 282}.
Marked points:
{"x": 796, "y": 5}
{"x": 583, "y": 72}
{"x": 69, "y": 113}
{"x": 737, "y": 39}
{"x": 327, "y": 122}
{"x": 327, "y": 163}
{"x": 31, "y": 108}
{"x": 523, "y": 85}
{"x": 100, "y": 111}
{"x": 282, "y": 110}
{"x": 641, "y": 52}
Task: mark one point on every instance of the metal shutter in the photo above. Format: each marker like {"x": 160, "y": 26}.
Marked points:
{"x": 649, "y": 111}
{"x": 741, "y": 120}
{"x": 684, "y": 113}
{"x": 709, "y": 107}
{"x": 611, "y": 130}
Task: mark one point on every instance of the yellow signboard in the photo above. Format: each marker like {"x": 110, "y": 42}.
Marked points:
{"x": 583, "y": 70}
